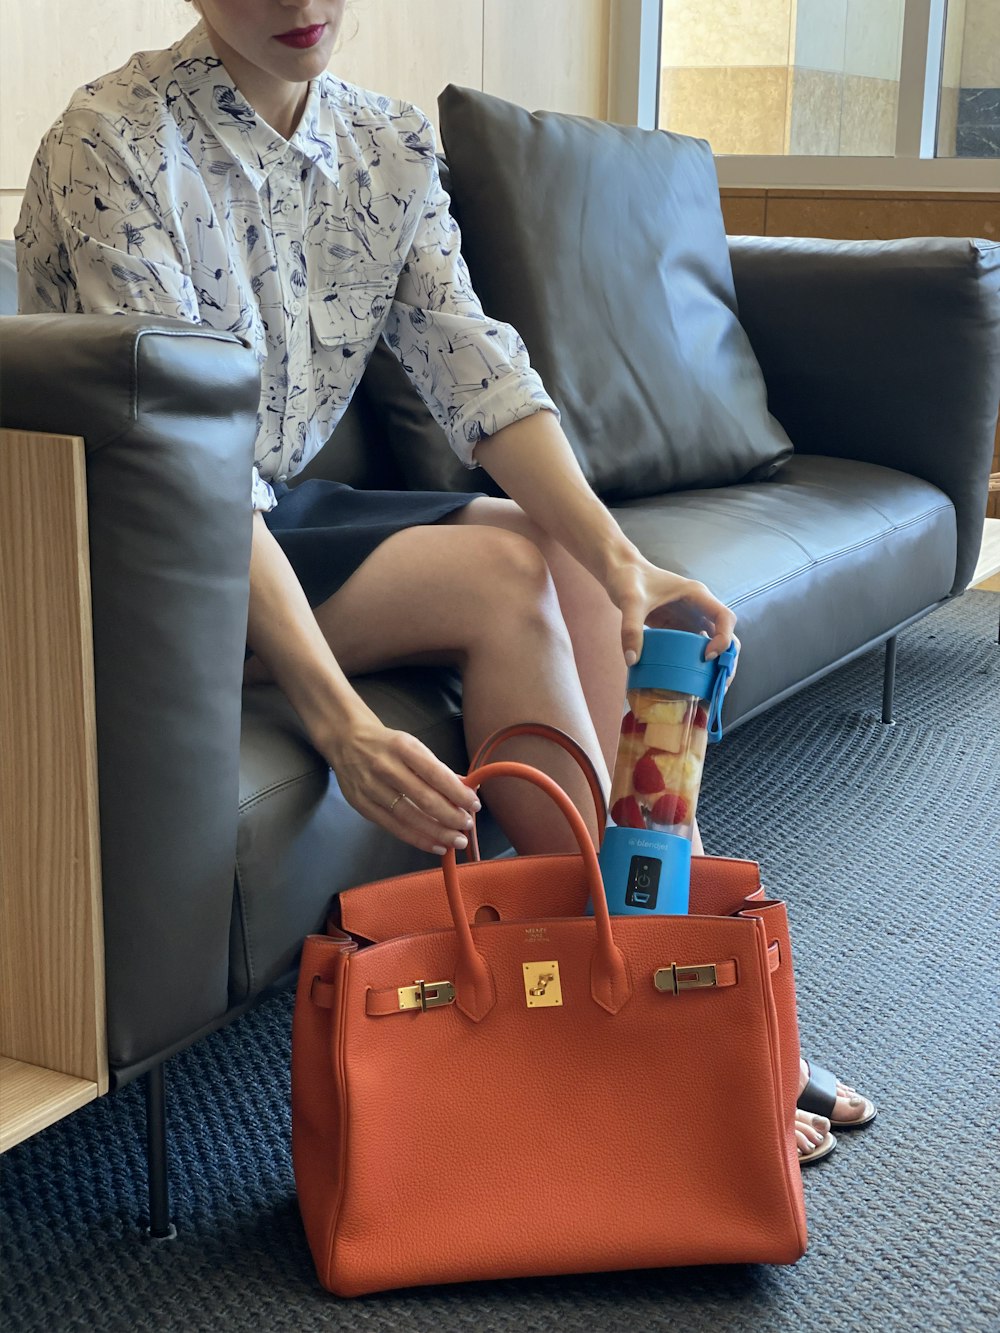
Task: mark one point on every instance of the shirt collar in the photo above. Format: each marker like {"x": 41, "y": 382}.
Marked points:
{"x": 247, "y": 137}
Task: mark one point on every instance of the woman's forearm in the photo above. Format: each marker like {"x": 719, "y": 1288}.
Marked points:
{"x": 533, "y": 461}
{"x": 283, "y": 632}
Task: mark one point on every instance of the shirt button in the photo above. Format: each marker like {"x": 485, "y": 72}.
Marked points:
{"x": 295, "y": 308}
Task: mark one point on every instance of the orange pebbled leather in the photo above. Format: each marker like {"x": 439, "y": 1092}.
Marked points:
{"x": 483, "y": 1139}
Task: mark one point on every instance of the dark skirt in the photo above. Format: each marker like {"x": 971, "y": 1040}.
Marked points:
{"x": 327, "y": 529}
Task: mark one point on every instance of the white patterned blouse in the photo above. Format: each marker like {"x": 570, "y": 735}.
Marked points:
{"x": 159, "y": 191}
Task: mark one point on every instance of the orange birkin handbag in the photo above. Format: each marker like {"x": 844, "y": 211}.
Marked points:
{"x": 545, "y": 1092}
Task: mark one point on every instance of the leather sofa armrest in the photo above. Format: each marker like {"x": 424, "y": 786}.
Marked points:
{"x": 883, "y": 351}
{"x": 168, "y": 415}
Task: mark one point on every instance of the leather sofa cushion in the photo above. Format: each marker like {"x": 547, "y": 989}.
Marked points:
{"x": 604, "y": 246}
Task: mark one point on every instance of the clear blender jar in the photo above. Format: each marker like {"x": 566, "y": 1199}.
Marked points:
{"x": 672, "y": 710}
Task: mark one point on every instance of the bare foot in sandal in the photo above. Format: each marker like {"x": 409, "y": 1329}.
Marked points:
{"x": 824, "y": 1095}
{"x": 812, "y": 1137}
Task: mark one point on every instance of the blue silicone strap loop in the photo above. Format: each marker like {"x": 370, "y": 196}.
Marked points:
{"x": 725, "y": 665}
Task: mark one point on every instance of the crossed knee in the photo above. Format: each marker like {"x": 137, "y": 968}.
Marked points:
{"x": 518, "y": 585}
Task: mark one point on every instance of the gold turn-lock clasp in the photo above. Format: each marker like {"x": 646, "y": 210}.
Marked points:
{"x": 424, "y": 995}
{"x": 542, "y": 986}
{"x": 675, "y": 979}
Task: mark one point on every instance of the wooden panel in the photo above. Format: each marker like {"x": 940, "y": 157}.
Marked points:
{"x": 32, "y": 1098}
{"x": 51, "y": 930}
{"x": 413, "y": 50}
{"x": 550, "y": 56}
{"x": 851, "y": 215}
{"x": 49, "y": 51}
{"x": 744, "y": 212}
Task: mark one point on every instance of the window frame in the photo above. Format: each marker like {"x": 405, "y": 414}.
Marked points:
{"x": 634, "y": 94}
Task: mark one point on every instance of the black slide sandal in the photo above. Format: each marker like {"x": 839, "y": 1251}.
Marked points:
{"x": 819, "y": 1097}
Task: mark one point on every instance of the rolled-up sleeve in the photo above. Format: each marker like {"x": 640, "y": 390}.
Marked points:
{"x": 472, "y": 372}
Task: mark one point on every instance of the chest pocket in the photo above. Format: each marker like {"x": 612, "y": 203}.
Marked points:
{"x": 349, "y": 309}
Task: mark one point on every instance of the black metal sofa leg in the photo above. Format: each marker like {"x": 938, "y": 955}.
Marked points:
{"x": 160, "y": 1226}
{"x": 889, "y": 682}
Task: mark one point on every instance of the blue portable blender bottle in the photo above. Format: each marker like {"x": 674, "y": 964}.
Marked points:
{"x": 673, "y": 709}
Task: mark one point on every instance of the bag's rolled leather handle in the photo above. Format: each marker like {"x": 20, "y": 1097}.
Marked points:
{"x": 544, "y": 731}
{"x": 475, "y": 994}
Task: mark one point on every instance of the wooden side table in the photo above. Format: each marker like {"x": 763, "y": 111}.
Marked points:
{"x": 53, "y": 1055}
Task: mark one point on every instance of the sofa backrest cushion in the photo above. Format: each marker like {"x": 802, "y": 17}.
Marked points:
{"x": 604, "y": 246}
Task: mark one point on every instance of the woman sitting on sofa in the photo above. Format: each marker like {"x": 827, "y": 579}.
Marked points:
{"x": 230, "y": 181}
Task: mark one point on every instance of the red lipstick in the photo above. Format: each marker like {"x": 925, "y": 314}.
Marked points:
{"x": 302, "y": 37}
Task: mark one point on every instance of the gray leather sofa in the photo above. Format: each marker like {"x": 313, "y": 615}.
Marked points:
{"x": 224, "y": 836}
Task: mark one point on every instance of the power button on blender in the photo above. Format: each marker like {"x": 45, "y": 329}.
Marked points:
{"x": 643, "y": 882}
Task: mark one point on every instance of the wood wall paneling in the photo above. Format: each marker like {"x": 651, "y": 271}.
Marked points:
{"x": 10, "y": 206}
{"x": 49, "y": 50}
{"x": 411, "y": 50}
{"x": 550, "y": 56}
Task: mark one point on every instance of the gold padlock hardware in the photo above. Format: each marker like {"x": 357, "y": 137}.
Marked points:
{"x": 542, "y": 987}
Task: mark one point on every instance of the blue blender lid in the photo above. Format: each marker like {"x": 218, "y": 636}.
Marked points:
{"x": 674, "y": 659}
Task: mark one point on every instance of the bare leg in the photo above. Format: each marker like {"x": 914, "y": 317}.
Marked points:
{"x": 594, "y": 623}
{"x": 482, "y": 600}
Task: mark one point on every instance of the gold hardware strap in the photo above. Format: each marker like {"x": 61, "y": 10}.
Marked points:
{"x": 421, "y": 995}
{"x": 677, "y": 977}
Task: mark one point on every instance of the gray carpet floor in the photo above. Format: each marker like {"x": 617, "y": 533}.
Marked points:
{"x": 886, "y": 844}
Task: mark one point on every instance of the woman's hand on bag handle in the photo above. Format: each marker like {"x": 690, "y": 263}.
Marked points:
{"x": 648, "y": 595}
{"x": 394, "y": 780}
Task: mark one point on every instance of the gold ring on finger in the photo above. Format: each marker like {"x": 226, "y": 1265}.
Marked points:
{"x": 396, "y": 801}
